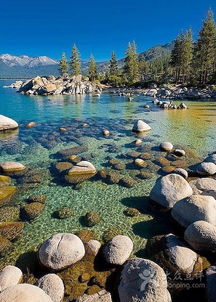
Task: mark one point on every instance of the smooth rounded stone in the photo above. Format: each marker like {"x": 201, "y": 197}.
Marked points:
{"x": 63, "y": 166}
{"x": 11, "y": 230}
{"x": 211, "y": 158}
{"x": 210, "y": 284}
{"x": 181, "y": 172}
{"x": 161, "y": 161}
{"x": 181, "y": 256}
{"x": 142, "y": 280}
{"x": 146, "y": 106}
{"x": 145, "y": 156}
{"x": 61, "y": 251}
{"x": 141, "y": 126}
{"x": 12, "y": 166}
{"x": 194, "y": 208}
{"x": 201, "y": 236}
{"x": 106, "y": 132}
{"x": 7, "y": 123}
{"x": 179, "y": 152}
{"x": 92, "y": 247}
{"x": 83, "y": 167}
{"x": 24, "y": 293}
{"x": 138, "y": 142}
{"x": 63, "y": 129}
{"x": 140, "y": 163}
{"x": 33, "y": 210}
{"x": 118, "y": 250}
{"x": 4, "y": 181}
{"x": 101, "y": 296}
{"x": 10, "y": 276}
{"x": 53, "y": 286}
{"x": 169, "y": 189}
{"x": 6, "y": 193}
{"x": 145, "y": 175}
{"x": 9, "y": 213}
{"x": 206, "y": 169}
{"x": 30, "y": 125}
{"x": 204, "y": 186}
{"x": 166, "y": 146}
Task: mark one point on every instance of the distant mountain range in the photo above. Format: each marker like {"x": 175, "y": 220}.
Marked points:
{"x": 28, "y": 67}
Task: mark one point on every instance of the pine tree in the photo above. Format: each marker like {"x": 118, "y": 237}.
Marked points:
{"x": 75, "y": 65}
{"x": 176, "y": 57}
{"x": 131, "y": 67}
{"x": 92, "y": 69}
{"x": 113, "y": 66}
{"x": 63, "y": 65}
{"x": 205, "y": 48}
{"x": 143, "y": 67}
{"x": 186, "y": 55}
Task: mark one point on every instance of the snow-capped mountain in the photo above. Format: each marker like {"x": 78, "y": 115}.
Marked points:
{"x": 27, "y": 61}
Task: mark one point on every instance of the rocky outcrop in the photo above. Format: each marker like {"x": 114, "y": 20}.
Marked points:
{"x": 51, "y": 85}
{"x": 7, "y": 123}
{"x": 201, "y": 236}
{"x": 169, "y": 189}
{"x": 197, "y": 207}
{"x": 24, "y": 293}
{"x": 53, "y": 286}
{"x": 143, "y": 280}
{"x": 9, "y": 276}
{"x": 61, "y": 251}
{"x": 118, "y": 250}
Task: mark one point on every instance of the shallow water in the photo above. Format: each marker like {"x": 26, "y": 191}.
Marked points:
{"x": 192, "y": 129}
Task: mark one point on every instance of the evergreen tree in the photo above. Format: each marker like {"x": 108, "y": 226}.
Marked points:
{"x": 75, "y": 65}
{"x": 131, "y": 67}
{"x": 92, "y": 69}
{"x": 143, "y": 68}
{"x": 205, "y": 48}
{"x": 176, "y": 57}
{"x": 113, "y": 66}
{"x": 63, "y": 65}
{"x": 186, "y": 55}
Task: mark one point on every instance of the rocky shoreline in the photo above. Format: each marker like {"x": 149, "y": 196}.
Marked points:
{"x": 65, "y": 264}
{"x": 51, "y": 85}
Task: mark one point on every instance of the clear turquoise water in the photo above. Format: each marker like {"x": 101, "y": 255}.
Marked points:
{"x": 192, "y": 129}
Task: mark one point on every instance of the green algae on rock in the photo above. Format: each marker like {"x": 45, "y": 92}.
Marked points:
{"x": 92, "y": 218}
{"x": 4, "y": 180}
{"x": 11, "y": 230}
{"x": 33, "y": 210}
{"x": 9, "y": 214}
{"x": 6, "y": 193}
{"x": 65, "y": 212}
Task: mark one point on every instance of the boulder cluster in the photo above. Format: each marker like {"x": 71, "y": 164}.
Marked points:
{"x": 51, "y": 85}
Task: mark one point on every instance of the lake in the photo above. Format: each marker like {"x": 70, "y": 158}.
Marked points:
{"x": 193, "y": 130}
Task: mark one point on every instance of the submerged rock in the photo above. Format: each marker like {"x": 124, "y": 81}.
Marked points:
{"x": 53, "y": 286}
{"x": 11, "y": 166}
{"x": 10, "y": 276}
{"x": 6, "y": 193}
{"x": 72, "y": 151}
{"x": 141, "y": 126}
{"x": 80, "y": 172}
{"x": 24, "y": 293}
{"x": 9, "y": 213}
{"x": 92, "y": 218}
{"x": 5, "y": 244}
{"x": 4, "y": 180}
{"x": 169, "y": 189}
{"x": 7, "y": 123}
{"x": 33, "y": 210}
{"x": 143, "y": 280}
{"x": 61, "y": 251}
{"x": 65, "y": 212}
{"x": 118, "y": 250}
{"x": 197, "y": 207}
{"x": 11, "y": 230}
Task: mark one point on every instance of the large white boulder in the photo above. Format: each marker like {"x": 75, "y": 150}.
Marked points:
{"x": 24, "y": 293}
{"x": 194, "y": 208}
{"x": 7, "y": 123}
{"x": 169, "y": 189}
{"x": 118, "y": 250}
{"x": 10, "y": 276}
{"x": 142, "y": 280}
{"x": 206, "y": 169}
{"x": 61, "y": 251}
{"x": 83, "y": 167}
{"x": 201, "y": 236}
{"x": 53, "y": 286}
{"x": 141, "y": 126}
{"x": 204, "y": 186}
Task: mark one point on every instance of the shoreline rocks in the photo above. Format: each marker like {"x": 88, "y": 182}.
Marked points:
{"x": 141, "y": 126}
{"x": 7, "y": 123}
{"x": 53, "y": 286}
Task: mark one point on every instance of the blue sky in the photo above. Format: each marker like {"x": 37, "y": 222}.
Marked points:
{"x": 97, "y": 26}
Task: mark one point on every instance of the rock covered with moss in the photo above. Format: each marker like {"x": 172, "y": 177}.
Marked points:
{"x": 92, "y": 218}
{"x": 11, "y": 230}
{"x": 65, "y": 212}
{"x": 33, "y": 210}
{"x": 9, "y": 214}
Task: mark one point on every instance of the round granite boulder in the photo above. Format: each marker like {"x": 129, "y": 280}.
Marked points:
{"x": 166, "y": 146}
{"x": 61, "y": 251}
{"x": 24, "y": 293}
{"x": 143, "y": 280}
{"x": 7, "y": 123}
{"x": 53, "y": 286}
{"x": 141, "y": 126}
{"x": 169, "y": 189}
{"x": 194, "y": 208}
{"x": 206, "y": 169}
{"x": 10, "y": 276}
{"x": 11, "y": 167}
{"x": 118, "y": 250}
{"x": 201, "y": 236}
